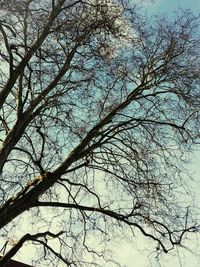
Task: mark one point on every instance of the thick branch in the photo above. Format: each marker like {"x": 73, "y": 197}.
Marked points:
{"x": 20, "y": 68}
{"x": 112, "y": 214}
{"x": 28, "y": 237}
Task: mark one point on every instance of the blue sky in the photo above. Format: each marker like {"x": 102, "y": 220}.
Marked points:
{"x": 180, "y": 257}
{"x": 135, "y": 253}
{"x": 167, "y": 6}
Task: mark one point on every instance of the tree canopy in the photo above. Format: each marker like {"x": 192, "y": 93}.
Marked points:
{"x": 99, "y": 110}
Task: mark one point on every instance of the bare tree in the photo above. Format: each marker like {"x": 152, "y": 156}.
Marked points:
{"x": 99, "y": 110}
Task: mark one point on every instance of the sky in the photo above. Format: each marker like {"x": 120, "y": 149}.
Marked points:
{"x": 138, "y": 257}
{"x": 134, "y": 252}
{"x": 171, "y": 5}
